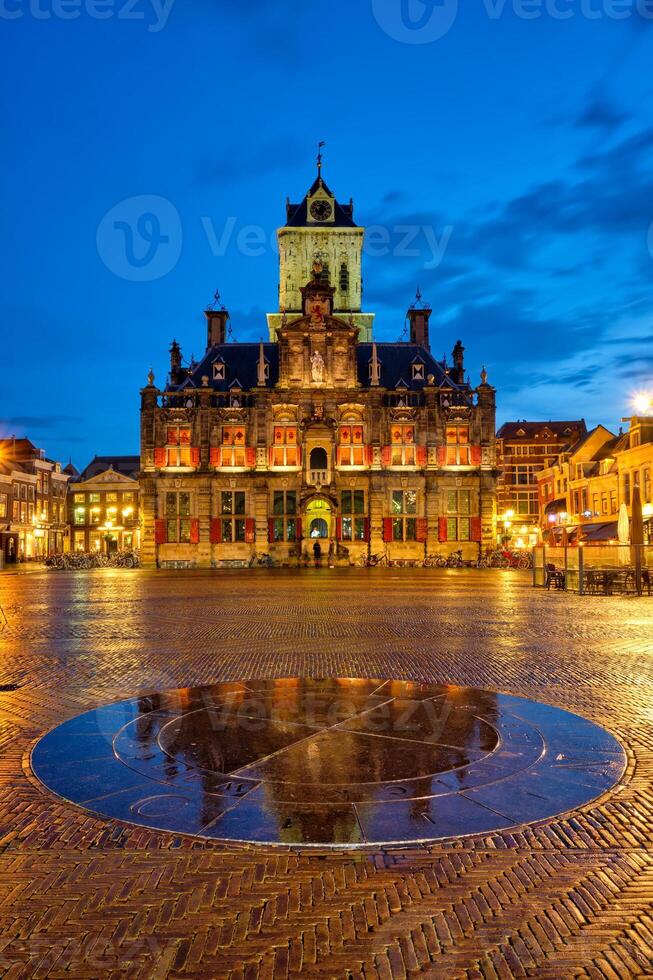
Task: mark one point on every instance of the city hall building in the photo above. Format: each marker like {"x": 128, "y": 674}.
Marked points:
{"x": 321, "y": 434}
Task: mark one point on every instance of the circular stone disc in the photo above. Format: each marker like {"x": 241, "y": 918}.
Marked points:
{"x": 331, "y": 762}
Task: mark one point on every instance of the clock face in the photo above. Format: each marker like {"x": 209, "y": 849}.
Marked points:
{"x": 321, "y": 210}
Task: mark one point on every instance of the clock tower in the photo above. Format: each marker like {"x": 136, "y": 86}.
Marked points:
{"x": 321, "y": 230}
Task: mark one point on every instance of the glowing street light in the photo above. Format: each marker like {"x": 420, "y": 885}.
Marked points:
{"x": 643, "y": 403}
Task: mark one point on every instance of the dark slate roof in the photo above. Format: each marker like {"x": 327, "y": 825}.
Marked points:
{"x": 126, "y": 465}
{"x": 297, "y": 214}
{"x": 509, "y": 430}
{"x": 396, "y": 364}
{"x": 241, "y": 366}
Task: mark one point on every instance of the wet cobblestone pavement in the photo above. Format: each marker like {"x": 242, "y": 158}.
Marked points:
{"x": 86, "y": 896}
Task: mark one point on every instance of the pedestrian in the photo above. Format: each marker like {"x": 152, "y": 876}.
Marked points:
{"x": 317, "y": 553}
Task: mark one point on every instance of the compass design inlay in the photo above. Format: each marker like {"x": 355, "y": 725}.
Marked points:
{"x": 329, "y": 762}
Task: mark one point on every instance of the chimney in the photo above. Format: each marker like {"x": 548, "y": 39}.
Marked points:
{"x": 216, "y": 323}
{"x": 418, "y": 316}
{"x": 458, "y": 354}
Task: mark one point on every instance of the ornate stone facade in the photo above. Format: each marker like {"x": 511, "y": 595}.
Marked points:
{"x": 321, "y": 437}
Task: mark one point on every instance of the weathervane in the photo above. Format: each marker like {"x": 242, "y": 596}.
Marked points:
{"x": 319, "y": 157}
{"x": 217, "y": 301}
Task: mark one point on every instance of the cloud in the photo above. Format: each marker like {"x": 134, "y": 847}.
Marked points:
{"x": 246, "y": 161}
{"x": 599, "y": 113}
{"x": 38, "y": 421}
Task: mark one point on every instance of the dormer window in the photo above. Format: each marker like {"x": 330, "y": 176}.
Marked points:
{"x": 418, "y": 371}
{"x": 218, "y": 371}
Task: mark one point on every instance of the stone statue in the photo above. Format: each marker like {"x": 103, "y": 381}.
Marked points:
{"x": 317, "y": 367}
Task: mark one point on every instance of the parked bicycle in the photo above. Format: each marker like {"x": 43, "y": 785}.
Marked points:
{"x": 371, "y": 561}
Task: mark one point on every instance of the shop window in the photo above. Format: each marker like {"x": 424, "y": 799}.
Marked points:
{"x": 351, "y": 451}
{"x": 177, "y": 515}
{"x": 284, "y": 523}
{"x": 79, "y": 541}
{"x": 285, "y": 451}
{"x": 402, "y": 438}
{"x": 353, "y": 523}
{"x": 404, "y": 515}
{"x": 178, "y": 448}
{"x": 458, "y": 448}
{"x": 233, "y": 516}
{"x": 233, "y": 446}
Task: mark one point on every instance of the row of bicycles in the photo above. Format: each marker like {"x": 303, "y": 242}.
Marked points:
{"x": 491, "y": 559}
{"x": 80, "y": 560}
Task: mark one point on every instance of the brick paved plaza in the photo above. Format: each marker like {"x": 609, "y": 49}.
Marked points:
{"x": 89, "y": 897}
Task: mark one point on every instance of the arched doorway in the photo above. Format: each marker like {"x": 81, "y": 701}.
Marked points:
{"x": 318, "y": 519}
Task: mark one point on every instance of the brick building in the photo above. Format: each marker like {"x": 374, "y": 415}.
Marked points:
{"x": 524, "y": 449}
{"x": 33, "y": 521}
{"x": 582, "y": 490}
{"x": 321, "y": 434}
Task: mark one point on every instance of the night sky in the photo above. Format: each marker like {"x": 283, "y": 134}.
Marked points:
{"x": 505, "y": 152}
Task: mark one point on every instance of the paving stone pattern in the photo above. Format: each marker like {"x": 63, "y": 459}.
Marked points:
{"x": 82, "y": 896}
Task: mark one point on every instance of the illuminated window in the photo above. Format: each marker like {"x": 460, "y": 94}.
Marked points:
{"x": 627, "y": 489}
{"x": 177, "y": 516}
{"x": 646, "y": 486}
{"x": 352, "y": 450}
{"x": 233, "y": 446}
{"x": 178, "y": 446}
{"x": 458, "y": 445}
{"x": 352, "y": 508}
{"x": 284, "y": 450}
{"x": 402, "y": 439}
{"x": 4, "y": 504}
{"x": 79, "y": 498}
{"x": 233, "y": 516}
{"x": 404, "y": 515}
{"x": 284, "y": 521}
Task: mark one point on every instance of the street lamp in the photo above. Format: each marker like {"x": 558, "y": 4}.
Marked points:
{"x": 643, "y": 403}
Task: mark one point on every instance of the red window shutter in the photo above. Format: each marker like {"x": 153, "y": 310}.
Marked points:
{"x": 476, "y": 455}
{"x": 366, "y": 529}
{"x": 369, "y": 455}
{"x": 160, "y": 529}
{"x": 216, "y": 530}
{"x": 442, "y": 529}
{"x": 476, "y": 530}
{"x": 194, "y": 531}
{"x": 271, "y": 530}
{"x": 215, "y": 455}
{"x": 159, "y": 458}
{"x": 387, "y": 529}
{"x": 299, "y": 455}
{"x": 442, "y": 455}
{"x": 194, "y": 456}
{"x": 250, "y": 457}
{"x": 422, "y": 529}
{"x": 386, "y": 455}
{"x": 270, "y": 455}
{"x": 298, "y": 529}
{"x": 421, "y": 455}
{"x": 250, "y": 530}
{"x": 338, "y": 528}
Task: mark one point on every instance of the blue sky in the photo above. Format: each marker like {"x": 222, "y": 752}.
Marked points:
{"x": 515, "y": 145}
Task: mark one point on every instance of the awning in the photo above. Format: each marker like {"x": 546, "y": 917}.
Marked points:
{"x": 600, "y": 532}
{"x": 555, "y": 505}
